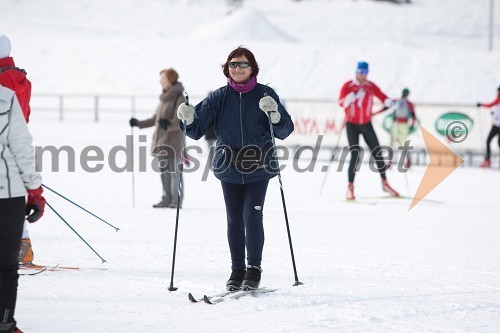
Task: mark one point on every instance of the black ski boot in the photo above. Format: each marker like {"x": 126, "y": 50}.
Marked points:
{"x": 252, "y": 278}
{"x": 235, "y": 280}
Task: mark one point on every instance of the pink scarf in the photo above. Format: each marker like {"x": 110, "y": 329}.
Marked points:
{"x": 243, "y": 87}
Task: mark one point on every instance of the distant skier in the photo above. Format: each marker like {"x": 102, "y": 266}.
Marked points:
{"x": 18, "y": 178}
{"x": 356, "y": 97}
{"x": 495, "y": 128}
{"x": 403, "y": 114}
{"x": 167, "y": 136}
{"x": 15, "y": 78}
{"x": 243, "y": 157}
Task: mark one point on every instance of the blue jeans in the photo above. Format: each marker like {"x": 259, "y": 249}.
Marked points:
{"x": 244, "y": 207}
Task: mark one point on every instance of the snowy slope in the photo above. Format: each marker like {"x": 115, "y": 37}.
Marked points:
{"x": 306, "y": 49}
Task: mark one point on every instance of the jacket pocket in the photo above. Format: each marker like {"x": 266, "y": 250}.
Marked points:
{"x": 222, "y": 159}
{"x": 247, "y": 159}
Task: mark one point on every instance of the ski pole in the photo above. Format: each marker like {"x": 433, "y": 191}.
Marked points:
{"x": 77, "y": 205}
{"x": 179, "y": 190}
{"x": 403, "y": 163}
{"x": 103, "y": 261}
{"x": 133, "y": 168}
{"x": 332, "y": 158}
{"x": 385, "y": 108}
{"x": 297, "y": 282}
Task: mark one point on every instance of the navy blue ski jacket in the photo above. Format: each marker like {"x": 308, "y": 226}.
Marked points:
{"x": 239, "y": 122}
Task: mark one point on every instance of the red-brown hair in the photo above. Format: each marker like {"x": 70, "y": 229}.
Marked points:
{"x": 171, "y": 75}
{"x": 240, "y": 52}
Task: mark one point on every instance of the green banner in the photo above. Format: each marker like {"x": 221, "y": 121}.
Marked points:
{"x": 456, "y": 121}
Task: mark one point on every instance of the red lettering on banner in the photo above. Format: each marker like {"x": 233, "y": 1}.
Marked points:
{"x": 330, "y": 126}
{"x": 305, "y": 122}
{"x": 314, "y": 127}
{"x": 306, "y": 126}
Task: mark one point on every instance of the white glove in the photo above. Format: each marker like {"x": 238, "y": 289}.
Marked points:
{"x": 268, "y": 104}
{"x": 186, "y": 113}
{"x": 388, "y": 102}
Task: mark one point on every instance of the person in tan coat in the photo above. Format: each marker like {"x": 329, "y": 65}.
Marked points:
{"x": 167, "y": 137}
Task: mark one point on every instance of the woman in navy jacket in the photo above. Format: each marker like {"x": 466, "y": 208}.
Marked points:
{"x": 243, "y": 159}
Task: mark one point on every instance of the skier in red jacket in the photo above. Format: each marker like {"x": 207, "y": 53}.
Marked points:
{"x": 403, "y": 123}
{"x": 15, "y": 79}
{"x": 495, "y": 128}
{"x": 356, "y": 97}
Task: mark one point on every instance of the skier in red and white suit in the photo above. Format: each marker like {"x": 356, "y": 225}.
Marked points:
{"x": 356, "y": 97}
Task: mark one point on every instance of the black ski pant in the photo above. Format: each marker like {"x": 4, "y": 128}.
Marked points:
{"x": 11, "y": 230}
{"x": 368, "y": 133}
{"x": 244, "y": 207}
{"x": 494, "y": 131}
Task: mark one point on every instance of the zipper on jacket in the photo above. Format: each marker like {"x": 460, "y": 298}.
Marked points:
{"x": 7, "y": 173}
{"x": 241, "y": 129}
{"x": 7, "y": 127}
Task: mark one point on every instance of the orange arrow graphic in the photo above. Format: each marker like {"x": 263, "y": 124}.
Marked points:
{"x": 436, "y": 171}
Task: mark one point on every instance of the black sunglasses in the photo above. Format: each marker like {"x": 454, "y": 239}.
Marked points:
{"x": 241, "y": 64}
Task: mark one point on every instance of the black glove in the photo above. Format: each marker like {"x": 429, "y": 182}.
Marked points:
{"x": 164, "y": 123}
{"x": 478, "y": 104}
{"x": 134, "y": 122}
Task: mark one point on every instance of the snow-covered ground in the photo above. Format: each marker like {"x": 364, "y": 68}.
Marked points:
{"x": 375, "y": 268}
{"x": 365, "y": 268}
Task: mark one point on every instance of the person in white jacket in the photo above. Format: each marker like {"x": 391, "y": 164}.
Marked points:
{"x": 18, "y": 178}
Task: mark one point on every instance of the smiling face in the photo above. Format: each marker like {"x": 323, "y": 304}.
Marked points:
{"x": 238, "y": 74}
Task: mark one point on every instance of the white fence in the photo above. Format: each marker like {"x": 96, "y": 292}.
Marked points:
{"x": 95, "y": 105}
